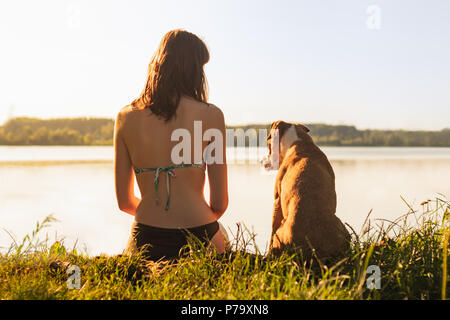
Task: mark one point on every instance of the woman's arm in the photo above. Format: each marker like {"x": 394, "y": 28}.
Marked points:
{"x": 123, "y": 171}
{"x": 217, "y": 172}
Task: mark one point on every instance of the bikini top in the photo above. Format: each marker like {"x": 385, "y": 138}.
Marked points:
{"x": 170, "y": 172}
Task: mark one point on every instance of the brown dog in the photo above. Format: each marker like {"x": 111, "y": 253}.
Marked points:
{"x": 305, "y": 197}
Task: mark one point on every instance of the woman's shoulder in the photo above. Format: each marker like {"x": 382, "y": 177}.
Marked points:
{"x": 125, "y": 114}
{"x": 212, "y": 111}
{"x": 213, "y": 108}
{"x": 128, "y": 111}
{"x": 216, "y": 113}
{"x": 205, "y": 110}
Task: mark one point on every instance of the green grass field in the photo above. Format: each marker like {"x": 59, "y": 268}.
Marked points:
{"x": 410, "y": 252}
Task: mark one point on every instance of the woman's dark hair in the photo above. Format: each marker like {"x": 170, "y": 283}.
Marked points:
{"x": 176, "y": 69}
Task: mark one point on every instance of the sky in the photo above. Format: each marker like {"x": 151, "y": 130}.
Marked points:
{"x": 373, "y": 64}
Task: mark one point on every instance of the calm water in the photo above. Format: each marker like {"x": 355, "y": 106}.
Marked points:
{"x": 76, "y": 185}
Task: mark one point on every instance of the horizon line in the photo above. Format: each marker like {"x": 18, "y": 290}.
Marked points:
{"x": 232, "y": 124}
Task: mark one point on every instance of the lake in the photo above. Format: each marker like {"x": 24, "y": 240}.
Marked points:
{"x": 76, "y": 185}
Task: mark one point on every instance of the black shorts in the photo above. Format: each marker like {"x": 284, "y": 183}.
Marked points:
{"x": 166, "y": 243}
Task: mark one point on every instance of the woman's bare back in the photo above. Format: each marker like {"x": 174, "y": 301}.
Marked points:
{"x": 148, "y": 141}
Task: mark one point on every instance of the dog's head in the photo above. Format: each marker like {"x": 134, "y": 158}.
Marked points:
{"x": 280, "y": 138}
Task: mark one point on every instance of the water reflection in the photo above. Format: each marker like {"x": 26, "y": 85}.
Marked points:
{"x": 81, "y": 194}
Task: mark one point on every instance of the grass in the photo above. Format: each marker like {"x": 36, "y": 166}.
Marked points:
{"x": 411, "y": 253}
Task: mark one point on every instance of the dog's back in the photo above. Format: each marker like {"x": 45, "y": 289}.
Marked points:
{"x": 307, "y": 199}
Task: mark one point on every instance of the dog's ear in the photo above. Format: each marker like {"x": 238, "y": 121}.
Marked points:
{"x": 281, "y": 125}
{"x": 272, "y": 126}
{"x": 301, "y": 128}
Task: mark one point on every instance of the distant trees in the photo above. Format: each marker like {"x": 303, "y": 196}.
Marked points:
{"x": 99, "y": 131}
{"x": 344, "y": 135}
{"x": 385, "y": 138}
{"x": 64, "y": 131}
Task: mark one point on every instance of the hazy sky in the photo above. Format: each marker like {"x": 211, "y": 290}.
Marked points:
{"x": 375, "y": 64}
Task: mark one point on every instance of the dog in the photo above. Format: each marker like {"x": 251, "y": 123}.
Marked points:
{"x": 305, "y": 196}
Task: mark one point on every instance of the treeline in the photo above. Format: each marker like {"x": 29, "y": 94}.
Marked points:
{"x": 346, "y": 135}
{"x": 62, "y": 131}
{"x": 99, "y": 131}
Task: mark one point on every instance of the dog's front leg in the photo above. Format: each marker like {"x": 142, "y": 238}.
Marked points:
{"x": 276, "y": 219}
